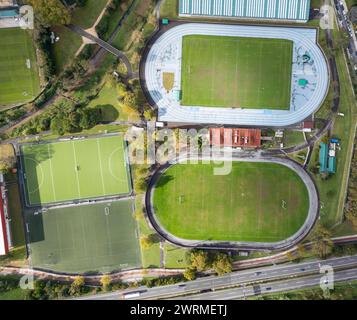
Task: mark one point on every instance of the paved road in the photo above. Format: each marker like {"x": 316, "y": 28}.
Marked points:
{"x": 345, "y": 23}
{"x": 271, "y": 287}
{"x": 246, "y": 277}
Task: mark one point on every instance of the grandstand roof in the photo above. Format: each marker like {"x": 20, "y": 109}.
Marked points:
{"x": 332, "y": 164}
{"x": 296, "y": 10}
{"x": 323, "y": 157}
{"x": 236, "y": 137}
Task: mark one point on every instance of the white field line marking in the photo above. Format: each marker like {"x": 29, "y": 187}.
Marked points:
{"x": 119, "y": 179}
{"x": 100, "y": 165}
{"x": 53, "y": 183}
{"x": 76, "y": 164}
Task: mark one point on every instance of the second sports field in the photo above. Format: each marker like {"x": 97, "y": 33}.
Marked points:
{"x": 77, "y": 169}
{"x": 256, "y": 202}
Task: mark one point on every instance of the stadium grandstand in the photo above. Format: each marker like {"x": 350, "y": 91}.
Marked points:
{"x": 235, "y": 137}
{"x": 286, "y": 10}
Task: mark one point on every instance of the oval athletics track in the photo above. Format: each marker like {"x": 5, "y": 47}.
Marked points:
{"x": 312, "y": 216}
{"x": 172, "y": 111}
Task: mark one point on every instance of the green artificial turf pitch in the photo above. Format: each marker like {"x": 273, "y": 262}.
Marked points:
{"x": 77, "y": 169}
{"x": 237, "y": 72}
{"x": 259, "y": 202}
{"x": 98, "y": 237}
{"x": 19, "y": 82}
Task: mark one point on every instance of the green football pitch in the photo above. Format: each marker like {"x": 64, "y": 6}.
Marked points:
{"x": 236, "y": 72}
{"x": 98, "y": 237}
{"x": 259, "y": 202}
{"x": 76, "y": 169}
{"x": 19, "y": 79}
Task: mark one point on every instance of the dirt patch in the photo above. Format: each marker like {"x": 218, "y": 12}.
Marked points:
{"x": 168, "y": 80}
{"x": 143, "y": 7}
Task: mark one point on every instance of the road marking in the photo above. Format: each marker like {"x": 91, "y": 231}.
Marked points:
{"x": 76, "y": 164}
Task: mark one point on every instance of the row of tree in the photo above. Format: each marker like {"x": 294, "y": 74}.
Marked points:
{"x": 200, "y": 261}
{"x": 49, "y": 290}
{"x": 50, "y": 12}
{"x": 351, "y": 204}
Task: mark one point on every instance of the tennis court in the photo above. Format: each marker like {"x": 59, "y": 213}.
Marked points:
{"x": 220, "y": 71}
{"x": 19, "y": 79}
{"x": 75, "y": 169}
{"x": 99, "y": 237}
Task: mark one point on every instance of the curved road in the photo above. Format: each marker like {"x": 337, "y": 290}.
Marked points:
{"x": 234, "y": 245}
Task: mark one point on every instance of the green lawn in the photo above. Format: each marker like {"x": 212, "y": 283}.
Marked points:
{"x": 107, "y": 102}
{"x": 293, "y": 138}
{"x": 169, "y": 9}
{"x": 19, "y": 79}
{"x": 175, "y": 257}
{"x": 87, "y": 15}
{"x": 65, "y": 49}
{"x": 14, "y": 294}
{"x": 77, "y": 169}
{"x": 236, "y": 72}
{"x": 246, "y": 205}
{"x": 97, "y": 237}
{"x": 150, "y": 256}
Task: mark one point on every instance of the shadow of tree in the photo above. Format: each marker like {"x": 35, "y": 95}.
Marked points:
{"x": 165, "y": 179}
{"x": 108, "y": 112}
{"x": 39, "y": 152}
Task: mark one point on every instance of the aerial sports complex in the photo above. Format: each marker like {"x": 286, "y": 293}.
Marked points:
{"x": 203, "y": 73}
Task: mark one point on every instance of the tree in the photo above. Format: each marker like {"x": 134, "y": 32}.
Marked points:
{"x": 139, "y": 214}
{"x": 57, "y": 125}
{"x": 122, "y": 89}
{"x": 222, "y": 264}
{"x": 106, "y": 281}
{"x": 190, "y": 274}
{"x": 300, "y": 250}
{"x": 89, "y": 118}
{"x": 351, "y": 216}
{"x": 135, "y": 58}
{"x": 50, "y": 12}
{"x": 140, "y": 185}
{"x": 199, "y": 260}
{"x": 148, "y": 241}
{"x": 145, "y": 242}
{"x": 129, "y": 99}
{"x": 77, "y": 285}
{"x": 137, "y": 36}
{"x": 342, "y": 40}
{"x": 152, "y": 19}
{"x": 322, "y": 244}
